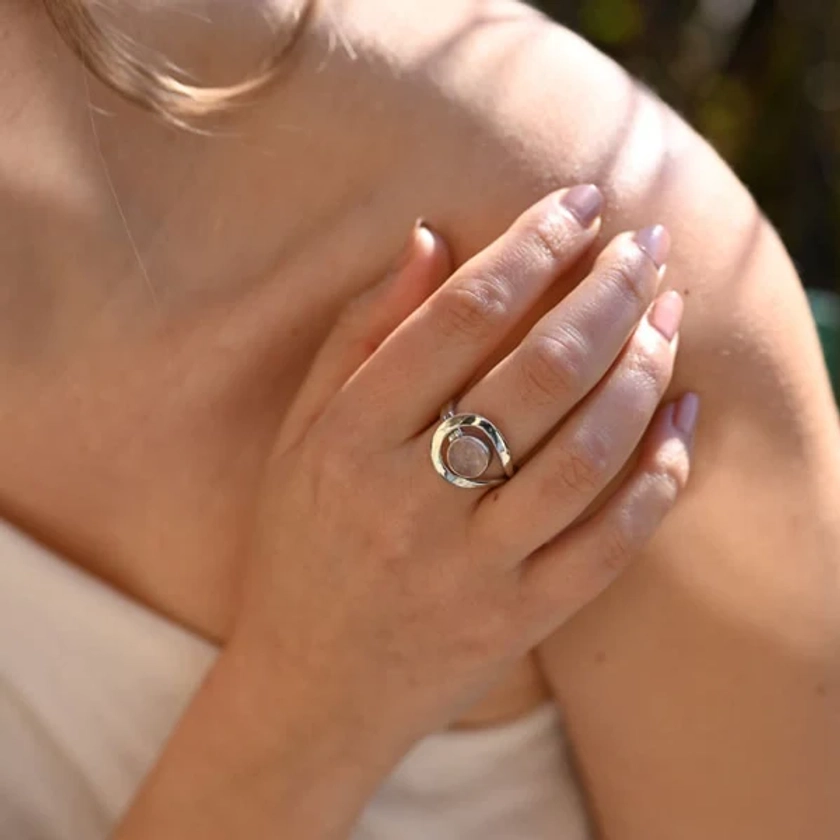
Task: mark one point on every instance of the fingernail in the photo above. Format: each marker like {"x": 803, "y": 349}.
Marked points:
{"x": 655, "y": 241}
{"x": 686, "y": 414}
{"x": 584, "y": 202}
{"x": 407, "y": 253}
{"x": 667, "y": 314}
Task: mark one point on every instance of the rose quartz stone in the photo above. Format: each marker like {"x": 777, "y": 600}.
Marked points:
{"x": 468, "y": 457}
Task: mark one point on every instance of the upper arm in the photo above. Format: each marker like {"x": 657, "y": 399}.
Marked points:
{"x": 701, "y": 691}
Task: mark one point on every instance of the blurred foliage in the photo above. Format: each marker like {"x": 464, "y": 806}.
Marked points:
{"x": 761, "y": 80}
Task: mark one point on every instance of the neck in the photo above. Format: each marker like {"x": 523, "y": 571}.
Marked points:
{"x": 111, "y": 208}
{"x": 136, "y": 218}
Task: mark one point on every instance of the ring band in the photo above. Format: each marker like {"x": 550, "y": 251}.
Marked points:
{"x": 462, "y": 448}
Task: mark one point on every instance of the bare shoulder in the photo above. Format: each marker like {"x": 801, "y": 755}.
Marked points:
{"x": 698, "y": 690}
{"x": 489, "y": 105}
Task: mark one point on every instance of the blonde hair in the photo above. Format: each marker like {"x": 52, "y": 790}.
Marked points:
{"x": 116, "y": 60}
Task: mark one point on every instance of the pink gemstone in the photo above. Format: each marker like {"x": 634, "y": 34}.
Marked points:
{"x": 468, "y": 457}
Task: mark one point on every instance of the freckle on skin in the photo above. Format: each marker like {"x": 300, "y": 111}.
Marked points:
{"x": 822, "y": 690}
{"x": 600, "y": 657}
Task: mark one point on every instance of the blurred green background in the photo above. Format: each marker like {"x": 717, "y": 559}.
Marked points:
{"x": 761, "y": 80}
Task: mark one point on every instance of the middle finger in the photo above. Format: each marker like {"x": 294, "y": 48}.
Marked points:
{"x": 571, "y": 348}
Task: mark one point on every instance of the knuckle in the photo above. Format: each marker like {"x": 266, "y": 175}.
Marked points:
{"x": 550, "y": 235}
{"x": 582, "y": 469}
{"x": 626, "y": 278}
{"x": 472, "y": 308}
{"x": 618, "y": 546}
{"x": 396, "y": 541}
{"x": 634, "y": 523}
{"x": 651, "y": 366}
{"x": 670, "y": 470}
{"x": 553, "y": 365}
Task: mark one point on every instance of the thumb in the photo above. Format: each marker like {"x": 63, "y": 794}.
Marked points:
{"x": 366, "y": 321}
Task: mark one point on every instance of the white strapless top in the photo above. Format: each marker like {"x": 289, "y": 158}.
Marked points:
{"x": 91, "y": 684}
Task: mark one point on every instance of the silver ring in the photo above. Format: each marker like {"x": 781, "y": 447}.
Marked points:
{"x": 462, "y": 448}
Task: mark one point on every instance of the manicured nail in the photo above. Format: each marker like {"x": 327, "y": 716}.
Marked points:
{"x": 584, "y": 202}
{"x": 686, "y": 414}
{"x": 667, "y": 313}
{"x": 655, "y": 242}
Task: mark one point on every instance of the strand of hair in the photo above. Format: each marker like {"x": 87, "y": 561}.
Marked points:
{"x": 116, "y": 60}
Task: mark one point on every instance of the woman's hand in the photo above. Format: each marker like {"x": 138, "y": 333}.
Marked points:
{"x": 381, "y": 599}
{"x": 401, "y": 596}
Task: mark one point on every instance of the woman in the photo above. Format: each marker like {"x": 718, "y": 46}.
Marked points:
{"x": 158, "y": 269}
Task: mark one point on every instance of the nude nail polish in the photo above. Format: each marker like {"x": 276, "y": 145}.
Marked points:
{"x": 584, "y": 202}
{"x": 686, "y": 414}
{"x": 667, "y": 314}
{"x": 655, "y": 241}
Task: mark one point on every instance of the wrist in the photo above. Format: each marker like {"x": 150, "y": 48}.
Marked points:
{"x": 334, "y": 711}
{"x": 314, "y": 741}
{"x": 262, "y": 752}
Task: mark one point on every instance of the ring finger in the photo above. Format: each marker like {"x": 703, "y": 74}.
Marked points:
{"x": 599, "y": 437}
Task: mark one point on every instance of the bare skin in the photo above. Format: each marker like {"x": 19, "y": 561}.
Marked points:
{"x": 141, "y": 395}
{"x": 389, "y": 626}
